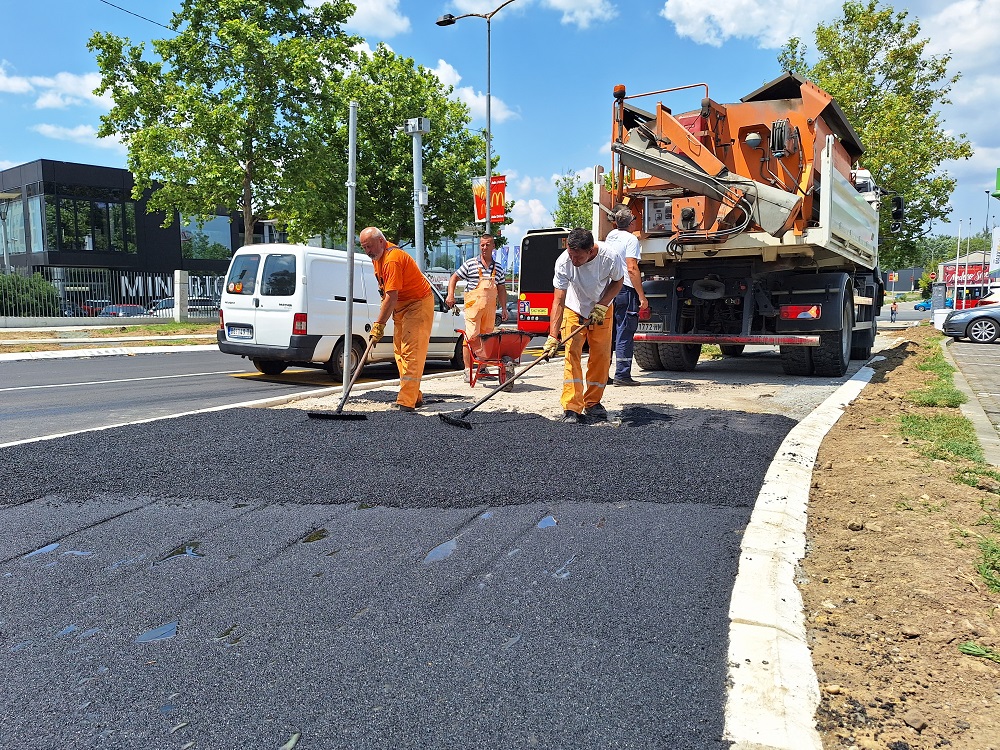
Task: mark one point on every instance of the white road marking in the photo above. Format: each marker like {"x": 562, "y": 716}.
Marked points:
{"x": 121, "y": 380}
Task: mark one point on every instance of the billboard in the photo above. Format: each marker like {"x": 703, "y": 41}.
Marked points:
{"x": 498, "y": 198}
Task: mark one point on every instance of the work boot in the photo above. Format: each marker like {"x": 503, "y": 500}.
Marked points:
{"x": 597, "y": 412}
{"x": 403, "y": 407}
{"x": 626, "y": 381}
{"x": 571, "y": 417}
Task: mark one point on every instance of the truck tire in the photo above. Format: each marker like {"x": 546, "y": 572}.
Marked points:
{"x": 647, "y": 356}
{"x": 833, "y": 355}
{"x": 863, "y": 341}
{"x": 458, "y": 358}
{"x": 270, "y": 366}
{"x": 336, "y": 364}
{"x": 679, "y": 357}
{"x": 796, "y": 360}
{"x": 731, "y": 350}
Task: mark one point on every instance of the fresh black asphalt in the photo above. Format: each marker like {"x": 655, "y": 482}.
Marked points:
{"x": 362, "y": 584}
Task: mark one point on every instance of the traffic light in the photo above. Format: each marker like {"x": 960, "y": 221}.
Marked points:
{"x": 897, "y": 209}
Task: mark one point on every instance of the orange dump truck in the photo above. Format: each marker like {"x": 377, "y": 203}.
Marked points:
{"x": 751, "y": 227}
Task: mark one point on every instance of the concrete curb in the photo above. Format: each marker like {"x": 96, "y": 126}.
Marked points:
{"x": 774, "y": 693}
{"x": 987, "y": 434}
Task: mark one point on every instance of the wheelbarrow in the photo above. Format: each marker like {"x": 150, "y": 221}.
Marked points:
{"x": 502, "y": 349}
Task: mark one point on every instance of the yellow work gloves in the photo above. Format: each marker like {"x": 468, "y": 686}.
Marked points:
{"x": 378, "y": 331}
{"x": 599, "y": 314}
{"x": 551, "y": 344}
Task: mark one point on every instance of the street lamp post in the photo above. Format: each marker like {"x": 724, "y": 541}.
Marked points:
{"x": 447, "y": 20}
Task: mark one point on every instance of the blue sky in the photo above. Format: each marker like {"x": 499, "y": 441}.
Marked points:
{"x": 554, "y": 64}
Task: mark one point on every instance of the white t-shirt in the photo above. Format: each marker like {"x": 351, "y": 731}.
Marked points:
{"x": 585, "y": 284}
{"x": 625, "y": 244}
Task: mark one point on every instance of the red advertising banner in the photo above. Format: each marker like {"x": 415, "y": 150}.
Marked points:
{"x": 498, "y": 198}
{"x": 974, "y": 274}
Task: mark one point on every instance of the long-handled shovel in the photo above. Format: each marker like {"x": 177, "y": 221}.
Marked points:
{"x": 460, "y": 421}
{"x": 339, "y": 413}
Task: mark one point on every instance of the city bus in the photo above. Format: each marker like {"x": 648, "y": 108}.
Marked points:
{"x": 539, "y": 250}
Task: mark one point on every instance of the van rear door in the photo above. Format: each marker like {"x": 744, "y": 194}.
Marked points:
{"x": 239, "y": 309}
{"x": 276, "y": 302}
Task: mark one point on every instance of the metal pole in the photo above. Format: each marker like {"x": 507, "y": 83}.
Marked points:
{"x": 352, "y": 168}
{"x": 489, "y": 156}
{"x": 418, "y": 184}
{"x": 965, "y": 284}
{"x": 958, "y": 253}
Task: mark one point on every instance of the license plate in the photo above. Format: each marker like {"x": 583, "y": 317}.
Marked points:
{"x": 239, "y": 332}
{"x": 650, "y": 328}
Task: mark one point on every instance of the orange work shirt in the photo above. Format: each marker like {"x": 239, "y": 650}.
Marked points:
{"x": 398, "y": 272}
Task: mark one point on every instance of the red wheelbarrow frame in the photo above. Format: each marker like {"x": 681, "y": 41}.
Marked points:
{"x": 502, "y": 348}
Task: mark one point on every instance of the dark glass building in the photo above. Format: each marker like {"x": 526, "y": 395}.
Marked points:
{"x": 71, "y": 215}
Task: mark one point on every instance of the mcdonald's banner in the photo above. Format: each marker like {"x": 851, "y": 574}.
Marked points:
{"x": 498, "y": 196}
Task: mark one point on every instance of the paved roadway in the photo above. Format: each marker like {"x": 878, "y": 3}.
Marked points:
{"x": 362, "y": 585}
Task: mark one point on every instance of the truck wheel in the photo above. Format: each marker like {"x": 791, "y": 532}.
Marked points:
{"x": 679, "y": 357}
{"x": 982, "y": 331}
{"x": 336, "y": 364}
{"x": 833, "y": 355}
{"x": 647, "y": 356}
{"x": 458, "y": 358}
{"x": 732, "y": 350}
{"x": 796, "y": 360}
{"x": 270, "y": 366}
{"x": 863, "y": 341}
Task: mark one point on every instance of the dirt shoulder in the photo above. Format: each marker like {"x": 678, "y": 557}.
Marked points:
{"x": 891, "y": 583}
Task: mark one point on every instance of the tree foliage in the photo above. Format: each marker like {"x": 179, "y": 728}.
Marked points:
{"x": 390, "y": 90}
{"x": 27, "y": 295}
{"x": 873, "y": 62}
{"x": 574, "y": 201}
{"x": 215, "y": 121}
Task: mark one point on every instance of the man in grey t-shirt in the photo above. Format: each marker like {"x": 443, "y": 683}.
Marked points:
{"x": 630, "y": 299}
{"x": 587, "y": 278}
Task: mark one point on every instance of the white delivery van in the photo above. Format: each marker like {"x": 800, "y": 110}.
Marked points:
{"x": 287, "y": 305}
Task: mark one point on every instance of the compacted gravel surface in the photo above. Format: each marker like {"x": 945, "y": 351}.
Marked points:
{"x": 258, "y": 579}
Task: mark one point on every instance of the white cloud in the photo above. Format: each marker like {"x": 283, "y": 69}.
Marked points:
{"x": 582, "y": 12}
{"x": 68, "y": 89}
{"x": 85, "y": 135}
{"x": 4, "y": 164}
{"x": 378, "y": 17}
{"x": 527, "y": 214}
{"x": 474, "y": 100}
{"x": 770, "y": 22}
{"x": 12, "y": 84}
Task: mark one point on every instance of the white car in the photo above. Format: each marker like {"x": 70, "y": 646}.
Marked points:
{"x": 287, "y": 305}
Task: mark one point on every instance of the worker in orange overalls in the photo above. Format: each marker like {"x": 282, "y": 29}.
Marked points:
{"x": 407, "y": 297}
{"x": 484, "y": 283}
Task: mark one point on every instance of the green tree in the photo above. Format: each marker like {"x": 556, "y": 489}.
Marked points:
{"x": 27, "y": 295}
{"x": 574, "y": 201}
{"x": 874, "y": 64}
{"x": 216, "y": 118}
{"x": 390, "y": 90}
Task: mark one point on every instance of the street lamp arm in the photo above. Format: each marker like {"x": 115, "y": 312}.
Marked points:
{"x": 497, "y": 9}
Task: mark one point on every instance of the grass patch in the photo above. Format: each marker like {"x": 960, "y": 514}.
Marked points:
{"x": 941, "y": 391}
{"x": 989, "y": 565}
{"x": 710, "y": 351}
{"x": 158, "y": 329}
{"x": 943, "y": 436}
{"x": 974, "y": 476}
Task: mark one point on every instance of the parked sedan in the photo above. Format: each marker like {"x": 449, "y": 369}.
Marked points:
{"x": 122, "y": 311}
{"x": 980, "y": 325}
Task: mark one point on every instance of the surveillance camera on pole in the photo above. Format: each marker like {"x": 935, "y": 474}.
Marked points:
{"x": 416, "y": 127}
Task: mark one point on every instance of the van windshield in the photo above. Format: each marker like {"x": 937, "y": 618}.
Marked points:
{"x": 278, "y": 279}
{"x": 242, "y": 275}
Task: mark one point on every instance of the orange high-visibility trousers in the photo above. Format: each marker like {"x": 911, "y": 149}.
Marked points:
{"x": 411, "y": 335}
{"x": 578, "y": 393}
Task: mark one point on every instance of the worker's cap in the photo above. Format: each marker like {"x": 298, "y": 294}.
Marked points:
{"x": 623, "y": 215}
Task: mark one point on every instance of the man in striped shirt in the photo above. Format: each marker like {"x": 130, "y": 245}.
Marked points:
{"x": 485, "y": 282}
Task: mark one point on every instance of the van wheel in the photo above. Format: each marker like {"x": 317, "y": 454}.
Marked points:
{"x": 458, "y": 359}
{"x": 336, "y": 364}
{"x": 270, "y": 366}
